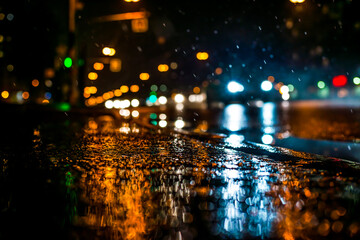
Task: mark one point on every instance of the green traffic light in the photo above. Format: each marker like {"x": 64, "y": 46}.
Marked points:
{"x": 321, "y": 84}
{"x": 68, "y": 62}
{"x": 356, "y": 80}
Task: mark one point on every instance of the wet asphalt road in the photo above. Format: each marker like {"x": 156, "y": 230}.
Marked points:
{"x": 97, "y": 178}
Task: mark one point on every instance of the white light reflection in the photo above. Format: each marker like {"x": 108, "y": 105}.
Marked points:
{"x": 268, "y": 114}
{"x": 234, "y": 117}
{"x": 248, "y": 209}
{"x": 162, "y": 116}
{"x": 109, "y": 104}
{"x": 162, "y": 123}
{"x": 179, "y": 123}
{"x": 179, "y": 106}
{"x": 235, "y": 140}
{"x": 135, "y": 114}
{"x": 267, "y": 139}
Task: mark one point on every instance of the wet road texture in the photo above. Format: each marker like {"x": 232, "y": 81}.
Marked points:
{"x": 97, "y": 178}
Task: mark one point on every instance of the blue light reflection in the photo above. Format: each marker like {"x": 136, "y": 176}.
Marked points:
{"x": 235, "y": 118}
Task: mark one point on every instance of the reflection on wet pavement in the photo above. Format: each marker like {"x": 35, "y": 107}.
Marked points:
{"x": 310, "y": 126}
{"x": 130, "y": 182}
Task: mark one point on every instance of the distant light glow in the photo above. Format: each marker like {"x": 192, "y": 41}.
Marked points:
{"x": 343, "y": 92}
{"x": 25, "y": 95}
{"x": 144, "y": 76}
{"x": 291, "y": 87}
{"x": 5, "y": 94}
{"x": 179, "y": 98}
{"x": 124, "y": 112}
{"x": 297, "y": 1}
{"x": 68, "y": 62}
{"x": 98, "y": 66}
{"x": 179, "y": 123}
{"x": 135, "y": 102}
{"x": 154, "y": 88}
{"x": 124, "y": 89}
{"x": 48, "y": 83}
{"x": 10, "y": 67}
{"x": 10, "y": 16}
{"x": 117, "y": 92}
{"x": 218, "y": 71}
{"x": 235, "y": 118}
{"x": 266, "y": 86}
{"x": 356, "y": 80}
{"x": 173, "y": 65}
{"x": 135, "y": 114}
{"x": 163, "y": 68}
{"x": 93, "y": 90}
{"x": 48, "y": 95}
{"x": 284, "y": 89}
{"x": 35, "y": 83}
{"x": 162, "y": 100}
{"x": 267, "y": 139}
{"x": 134, "y": 88}
{"x": 339, "y": 81}
{"x": 235, "y": 140}
{"x": 235, "y": 87}
{"x": 125, "y": 103}
{"x": 115, "y": 65}
{"x": 162, "y": 123}
{"x": 116, "y": 103}
{"x": 285, "y": 96}
{"x": 153, "y": 116}
{"x": 152, "y": 98}
{"x": 109, "y": 104}
{"x": 321, "y": 84}
{"x": 202, "y": 56}
{"x": 179, "y": 106}
{"x": 108, "y": 51}
{"x": 163, "y": 88}
{"x": 162, "y": 116}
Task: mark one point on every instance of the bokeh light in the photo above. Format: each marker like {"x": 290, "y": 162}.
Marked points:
{"x": 135, "y": 102}
{"x": 356, "y": 80}
{"x": 266, "y": 86}
{"x": 98, "y": 66}
{"x": 321, "y": 84}
{"x": 25, "y": 95}
{"x": 196, "y": 90}
{"x": 5, "y": 94}
{"x": 179, "y": 123}
{"x": 92, "y": 75}
{"x": 235, "y": 87}
{"x": 202, "y": 56}
{"x": 134, "y": 88}
{"x": 179, "y": 98}
{"x": 35, "y": 83}
{"x": 144, "y": 76}
{"x": 163, "y": 68}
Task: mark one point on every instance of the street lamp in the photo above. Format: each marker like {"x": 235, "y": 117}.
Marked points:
{"x": 108, "y": 51}
{"x": 297, "y": 1}
{"x": 202, "y": 56}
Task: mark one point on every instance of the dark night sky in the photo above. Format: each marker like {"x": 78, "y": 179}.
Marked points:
{"x": 248, "y": 39}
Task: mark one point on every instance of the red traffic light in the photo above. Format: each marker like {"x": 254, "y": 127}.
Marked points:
{"x": 339, "y": 81}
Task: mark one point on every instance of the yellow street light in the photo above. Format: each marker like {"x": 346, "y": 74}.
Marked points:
{"x": 144, "y": 76}
{"x": 5, "y": 94}
{"x": 163, "y": 68}
{"x": 108, "y": 51}
{"x": 297, "y": 1}
{"x": 92, "y": 75}
{"x": 202, "y": 55}
{"x": 98, "y": 66}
